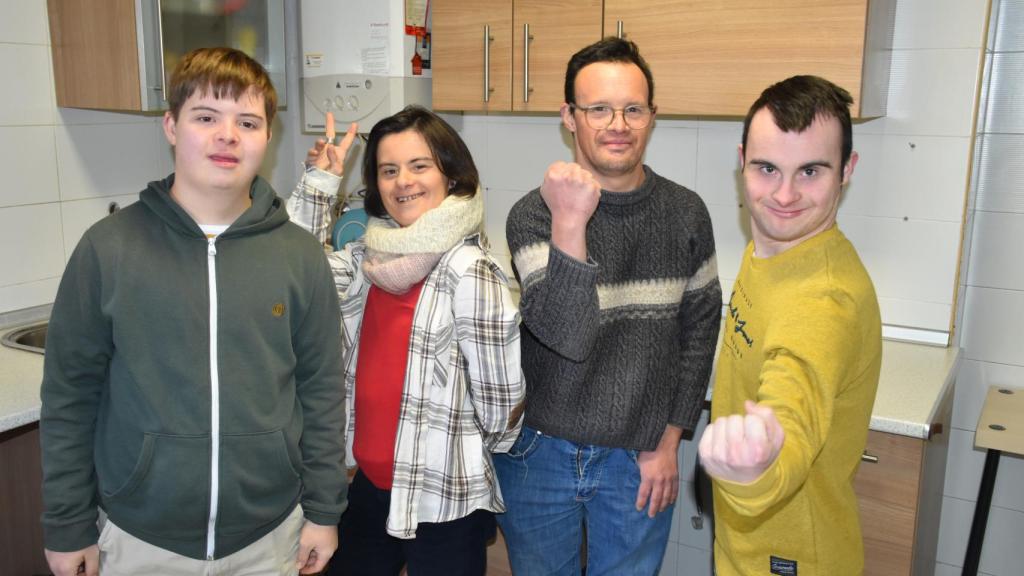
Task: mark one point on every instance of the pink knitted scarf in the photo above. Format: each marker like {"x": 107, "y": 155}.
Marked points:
{"x": 397, "y": 257}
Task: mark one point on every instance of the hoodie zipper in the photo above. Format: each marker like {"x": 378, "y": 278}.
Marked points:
{"x": 211, "y": 265}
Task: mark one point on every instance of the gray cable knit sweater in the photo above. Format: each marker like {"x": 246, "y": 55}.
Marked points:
{"x": 617, "y": 347}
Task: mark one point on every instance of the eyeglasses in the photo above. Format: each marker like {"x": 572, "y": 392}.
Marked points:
{"x": 601, "y": 116}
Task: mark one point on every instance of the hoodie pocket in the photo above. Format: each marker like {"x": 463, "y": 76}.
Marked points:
{"x": 167, "y": 493}
{"x": 258, "y": 481}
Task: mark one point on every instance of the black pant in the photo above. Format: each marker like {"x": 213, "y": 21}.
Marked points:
{"x": 456, "y": 548}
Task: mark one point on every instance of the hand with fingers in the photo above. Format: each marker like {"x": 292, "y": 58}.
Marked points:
{"x": 85, "y": 561}
{"x": 316, "y": 546}
{"x": 740, "y": 447}
{"x": 328, "y": 156}
{"x": 659, "y": 474}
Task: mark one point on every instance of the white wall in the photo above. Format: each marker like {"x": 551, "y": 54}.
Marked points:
{"x": 62, "y": 167}
{"x": 993, "y": 308}
{"x": 903, "y": 210}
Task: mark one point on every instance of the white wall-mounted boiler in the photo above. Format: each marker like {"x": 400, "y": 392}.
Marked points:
{"x": 357, "y": 61}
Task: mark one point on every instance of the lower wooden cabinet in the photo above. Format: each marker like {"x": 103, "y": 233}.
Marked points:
{"x": 900, "y": 497}
{"x": 21, "y": 500}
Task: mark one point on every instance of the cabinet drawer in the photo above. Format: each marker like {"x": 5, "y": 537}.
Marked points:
{"x": 887, "y": 492}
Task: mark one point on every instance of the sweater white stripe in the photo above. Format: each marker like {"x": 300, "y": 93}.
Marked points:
{"x": 707, "y": 273}
{"x": 531, "y": 259}
{"x": 641, "y": 293}
{"x": 657, "y": 292}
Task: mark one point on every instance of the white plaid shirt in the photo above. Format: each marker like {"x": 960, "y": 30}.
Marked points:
{"x": 463, "y": 388}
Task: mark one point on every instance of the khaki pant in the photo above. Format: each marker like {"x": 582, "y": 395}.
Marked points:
{"x": 122, "y": 554}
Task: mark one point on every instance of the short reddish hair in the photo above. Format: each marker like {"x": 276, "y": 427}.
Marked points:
{"x": 224, "y": 72}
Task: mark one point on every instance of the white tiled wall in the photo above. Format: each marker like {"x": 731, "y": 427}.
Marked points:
{"x": 993, "y": 309}
{"x": 63, "y": 167}
{"x": 47, "y": 163}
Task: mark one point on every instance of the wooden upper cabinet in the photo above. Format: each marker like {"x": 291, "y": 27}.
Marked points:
{"x": 95, "y": 54}
{"x": 461, "y": 63}
{"x": 115, "y": 54}
{"x": 713, "y": 58}
{"x": 557, "y": 30}
{"x": 471, "y": 54}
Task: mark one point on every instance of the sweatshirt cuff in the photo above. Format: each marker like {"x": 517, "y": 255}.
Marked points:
{"x": 753, "y": 491}
{"x": 71, "y": 537}
{"x": 323, "y": 519}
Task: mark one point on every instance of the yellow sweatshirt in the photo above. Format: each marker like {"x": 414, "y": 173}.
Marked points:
{"x": 803, "y": 336}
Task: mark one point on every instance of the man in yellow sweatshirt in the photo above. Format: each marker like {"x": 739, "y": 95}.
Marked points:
{"x": 801, "y": 352}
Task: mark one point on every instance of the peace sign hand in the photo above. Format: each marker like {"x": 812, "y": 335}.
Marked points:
{"x": 328, "y": 156}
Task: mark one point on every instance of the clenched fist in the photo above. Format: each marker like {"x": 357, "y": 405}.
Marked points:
{"x": 570, "y": 191}
{"x": 739, "y": 448}
{"x": 571, "y": 194}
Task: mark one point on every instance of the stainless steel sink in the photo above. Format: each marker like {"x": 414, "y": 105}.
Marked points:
{"x": 31, "y": 338}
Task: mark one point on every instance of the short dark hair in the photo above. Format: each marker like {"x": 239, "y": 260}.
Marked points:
{"x": 610, "y": 49}
{"x": 796, "y": 102}
{"x": 223, "y": 72}
{"x": 449, "y": 151}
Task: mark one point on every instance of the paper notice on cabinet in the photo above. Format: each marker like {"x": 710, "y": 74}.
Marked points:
{"x": 416, "y": 17}
{"x": 375, "y": 61}
{"x": 374, "y": 56}
{"x": 379, "y": 32}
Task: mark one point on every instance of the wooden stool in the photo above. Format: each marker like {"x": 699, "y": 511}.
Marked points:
{"x": 1000, "y": 429}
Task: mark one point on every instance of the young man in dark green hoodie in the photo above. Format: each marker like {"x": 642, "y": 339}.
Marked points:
{"x": 192, "y": 381}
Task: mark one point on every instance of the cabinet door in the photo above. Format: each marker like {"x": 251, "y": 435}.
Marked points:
{"x": 711, "y": 57}
{"x": 888, "y": 492}
{"x": 95, "y": 54}
{"x": 463, "y": 58}
{"x": 558, "y": 29}
{"x": 21, "y": 499}
{"x": 116, "y": 54}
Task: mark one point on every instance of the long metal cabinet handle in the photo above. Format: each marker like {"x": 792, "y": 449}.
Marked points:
{"x": 526, "y": 62}
{"x": 487, "y": 63}
{"x": 160, "y": 56}
{"x": 618, "y": 29}
{"x": 865, "y": 457}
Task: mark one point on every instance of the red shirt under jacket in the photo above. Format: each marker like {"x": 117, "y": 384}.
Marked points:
{"x": 380, "y": 376}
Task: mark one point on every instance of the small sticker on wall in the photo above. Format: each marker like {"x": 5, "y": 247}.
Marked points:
{"x": 313, "y": 60}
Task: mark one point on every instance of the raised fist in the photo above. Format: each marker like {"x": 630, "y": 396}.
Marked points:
{"x": 740, "y": 447}
{"x": 570, "y": 192}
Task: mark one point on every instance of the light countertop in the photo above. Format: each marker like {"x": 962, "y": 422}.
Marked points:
{"x": 914, "y": 379}
{"x": 21, "y": 373}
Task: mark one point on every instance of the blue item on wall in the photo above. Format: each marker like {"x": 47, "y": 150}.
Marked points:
{"x": 350, "y": 226}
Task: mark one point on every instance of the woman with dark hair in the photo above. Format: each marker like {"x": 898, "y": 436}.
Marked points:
{"x": 430, "y": 343}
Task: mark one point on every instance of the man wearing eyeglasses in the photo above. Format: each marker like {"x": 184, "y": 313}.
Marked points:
{"x": 621, "y": 307}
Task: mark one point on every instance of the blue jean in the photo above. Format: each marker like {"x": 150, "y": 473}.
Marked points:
{"x": 552, "y": 487}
